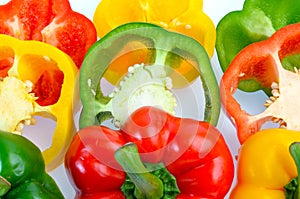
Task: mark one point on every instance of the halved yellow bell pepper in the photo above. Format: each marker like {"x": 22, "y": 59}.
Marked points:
{"x": 266, "y": 166}
{"x": 37, "y": 79}
{"x": 183, "y": 16}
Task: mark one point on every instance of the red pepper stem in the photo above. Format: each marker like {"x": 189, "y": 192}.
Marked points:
{"x": 148, "y": 185}
{"x": 4, "y": 186}
{"x": 295, "y": 153}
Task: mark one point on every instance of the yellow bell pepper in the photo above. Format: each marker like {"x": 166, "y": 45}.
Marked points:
{"x": 183, "y": 16}
{"x": 37, "y": 79}
{"x": 266, "y": 166}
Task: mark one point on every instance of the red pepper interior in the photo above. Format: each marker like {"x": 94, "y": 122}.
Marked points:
{"x": 261, "y": 68}
{"x": 291, "y": 46}
{"x": 47, "y": 88}
{"x": 52, "y": 22}
{"x": 41, "y": 71}
{"x": 45, "y": 75}
{"x": 6, "y": 60}
{"x": 289, "y": 52}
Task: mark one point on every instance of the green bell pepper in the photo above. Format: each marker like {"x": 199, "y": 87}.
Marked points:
{"x": 22, "y": 170}
{"x": 156, "y": 60}
{"x": 257, "y": 21}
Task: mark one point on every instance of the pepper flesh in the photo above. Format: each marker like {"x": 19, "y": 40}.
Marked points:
{"x": 264, "y": 62}
{"x": 202, "y": 164}
{"x": 183, "y": 16}
{"x": 257, "y": 21}
{"x": 23, "y": 168}
{"x": 52, "y": 22}
{"x": 264, "y": 175}
{"x": 37, "y": 80}
{"x": 161, "y": 47}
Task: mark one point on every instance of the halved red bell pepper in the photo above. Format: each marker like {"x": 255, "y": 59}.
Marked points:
{"x": 53, "y": 22}
{"x": 192, "y": 154}
{"x": 274, "y": 65}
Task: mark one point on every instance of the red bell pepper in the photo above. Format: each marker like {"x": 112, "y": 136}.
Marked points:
{"x": 152, "y": 147}
{"x": 273, "y": 66}
{"x": 53, "y": 22}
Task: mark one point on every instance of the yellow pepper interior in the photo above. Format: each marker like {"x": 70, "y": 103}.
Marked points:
{"x": 182, "y": 70}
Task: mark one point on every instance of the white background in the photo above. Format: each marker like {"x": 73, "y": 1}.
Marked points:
{"x": 216, "y": 9}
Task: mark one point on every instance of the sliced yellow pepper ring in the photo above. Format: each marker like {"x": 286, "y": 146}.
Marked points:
{"x": 183, "y": 16}
{"x": 37, "y": 79}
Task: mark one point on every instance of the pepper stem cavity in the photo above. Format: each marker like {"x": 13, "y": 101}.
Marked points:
{"x": 292, "y": 188}
{"x": 4, "y": 186}
{"x": 144, "y": 85}
{"x": 141, "y": 182}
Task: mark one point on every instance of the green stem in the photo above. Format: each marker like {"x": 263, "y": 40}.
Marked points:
{"x": 4, "y": 186}
{"x": 147, "y": 185}
{"x": 295, "y": 153}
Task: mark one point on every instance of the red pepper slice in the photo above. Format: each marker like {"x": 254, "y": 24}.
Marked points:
{"x": 6, "y": 61}
{"x": 48, "y": 87}
{"x": 274, "y": 65}
{"x": 194, "y": 152}
{"x": 53, "y": 22}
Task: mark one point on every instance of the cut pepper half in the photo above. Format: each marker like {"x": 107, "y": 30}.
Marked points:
{"x": 167, "y": 57}
{"x": 52, "y": 22}
{"x": 37, "y": 79}
{"x": 274, "y": 64}
{"x": 257, "y": 21}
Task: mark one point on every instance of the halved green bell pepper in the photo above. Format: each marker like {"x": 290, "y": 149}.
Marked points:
{"x": 155, "y": 58}
{"x": 257, "y": 21}
{"x": 22, "y": 170}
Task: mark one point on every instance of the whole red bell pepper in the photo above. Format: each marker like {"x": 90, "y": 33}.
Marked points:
{"x": 154, "y": 155}
{"x": 53, "y": 22}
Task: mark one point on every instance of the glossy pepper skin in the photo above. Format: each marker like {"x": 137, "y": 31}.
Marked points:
{"x": 273, "y": 64}
{"x": 181, "y": 16}
{"x": 151, "y": 45}
{"x": 265, "y": 165}
{"x": 186, "y": 17}
{"x": 37, "y": 80}
{"x": 23, "y": 167}
{"x": 52, "y": 22}
{"x": 202, "y": 164}
{"x": 257, "y": 21}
